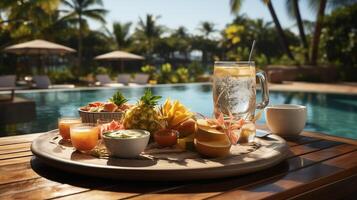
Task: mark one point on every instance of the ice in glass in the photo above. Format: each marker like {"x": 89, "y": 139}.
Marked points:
{"x": 234, "y": 90}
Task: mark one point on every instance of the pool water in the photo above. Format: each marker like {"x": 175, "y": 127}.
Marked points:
{"x": 328, "y": 113}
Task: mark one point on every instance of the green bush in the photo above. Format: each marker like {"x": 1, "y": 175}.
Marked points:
{"x": 64, "y": 76}
{"x": 151, "y": 70}
{"x": 339, "y": 41}
{"x": 183, "y": 75}
{"x": 195, "y": 69}
{"x": 166, "y": 75}
{"x": 102, "y": 70}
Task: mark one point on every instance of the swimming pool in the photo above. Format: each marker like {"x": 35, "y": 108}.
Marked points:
{"x": 328, "y": 113}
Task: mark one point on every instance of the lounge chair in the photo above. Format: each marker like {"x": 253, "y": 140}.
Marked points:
{"x": 104, "y": 80}
{"x": 140, "y": 79}
{"x": 43, "y": 82}
{"x": 8, "y": 81}
{"x": 124, "y": 79}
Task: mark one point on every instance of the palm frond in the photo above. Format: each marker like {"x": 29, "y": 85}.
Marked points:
{"x": 290, "y": 8}
{"x": 68, "y": 3}
{"x": 88, "y": 3}
{"x": 95, "y": 14}
{"x": 235, "y": 6}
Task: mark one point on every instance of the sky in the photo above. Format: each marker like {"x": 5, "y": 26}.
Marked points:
{"x": 190, "y": 13}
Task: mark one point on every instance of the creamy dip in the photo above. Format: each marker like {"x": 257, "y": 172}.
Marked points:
{"x": 126, "y": 134}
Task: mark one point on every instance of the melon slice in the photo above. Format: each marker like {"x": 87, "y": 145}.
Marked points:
{"x": 207, "y": 132}
{"x": 214, "y": 148}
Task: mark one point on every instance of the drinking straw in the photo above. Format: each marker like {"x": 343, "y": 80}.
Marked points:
{"x": 251, "y": 50}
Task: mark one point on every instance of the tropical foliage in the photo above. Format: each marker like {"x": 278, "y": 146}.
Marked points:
{"x": 176, "y": 55}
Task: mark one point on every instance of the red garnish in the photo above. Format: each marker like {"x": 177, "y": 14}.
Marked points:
{"x": 95, "y": 104}
{"x": 109, "y": 107}
{"x": 111, "y": 126}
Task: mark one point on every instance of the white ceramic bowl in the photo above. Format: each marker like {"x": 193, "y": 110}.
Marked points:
{"x": 286, "y": 119}
{"x": 126, "y": 147}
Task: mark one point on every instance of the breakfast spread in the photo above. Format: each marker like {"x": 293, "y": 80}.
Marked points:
{"x": 168, "y": 126}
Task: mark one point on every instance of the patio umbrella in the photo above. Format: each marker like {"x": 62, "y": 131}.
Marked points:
{"x": 119, "y": 56}
{"x": 39, "y": 48}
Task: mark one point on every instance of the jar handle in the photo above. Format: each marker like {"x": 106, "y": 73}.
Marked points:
{"x": 265, "y": 92}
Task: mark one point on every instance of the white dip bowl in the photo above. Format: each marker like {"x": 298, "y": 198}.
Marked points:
{"x": 287, "y": 120}
{"x": 126, "y": 143}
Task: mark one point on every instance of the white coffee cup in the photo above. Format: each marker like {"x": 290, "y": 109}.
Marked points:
{"x": 286, "y": 119}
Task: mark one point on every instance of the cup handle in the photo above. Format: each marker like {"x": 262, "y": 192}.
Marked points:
{"x": 265, "y": 92}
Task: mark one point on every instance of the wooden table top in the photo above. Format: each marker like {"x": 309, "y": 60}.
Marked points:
{"x": 318, "y": 166}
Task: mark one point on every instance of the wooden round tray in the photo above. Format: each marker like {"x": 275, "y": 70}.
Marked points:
{"x": 263, "y": 153}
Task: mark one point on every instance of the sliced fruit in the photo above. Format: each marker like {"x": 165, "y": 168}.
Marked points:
{"x": 214, "y": 148}
{"x": 208, "y": 134}
{"x": 110, "y": 107}
{"x": 205, "y": 124}
{"x": 186, "y": 128}
{"x": 174, "y": 113}
{"x": 95, "y": 104}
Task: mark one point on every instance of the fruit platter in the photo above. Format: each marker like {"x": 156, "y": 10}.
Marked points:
{"x": 148, "y": 141}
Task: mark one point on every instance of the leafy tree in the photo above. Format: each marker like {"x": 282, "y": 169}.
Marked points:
{"x": 164, "y": 48}
{"x": 204, "y": 43}
{"x": 235, "y": 7}
{"x": 237, "y": 37}
{"x": 320, "y": 7}
{"x": 121, "y": 34}
{"x": 182, "y": 41}
{"x": 209, "y": 48}
{"x": 79, "y": 11}
{"x": 340, "y": 39}
{"x": 27, "y": 19}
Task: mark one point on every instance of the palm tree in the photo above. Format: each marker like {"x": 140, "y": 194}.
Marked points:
{"x": 235, "y": 6}
{"x": 181, "y": 41}
{"x": 121, "y": 34}
{"x": 207, "y": 28}
{"x": 294, "y": 11}
{"x": 282, "y": 37}
{"x": 22, "y": 10}
{"x": 80, "y": 11}
{"x": 203, "y": 42}
{"x": 317, "y": 33}
{"x": 149, "y": 31}
{"x": 181, "y": 32}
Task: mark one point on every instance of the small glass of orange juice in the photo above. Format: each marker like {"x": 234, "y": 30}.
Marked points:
{"x": 64, "y": 123}
{"x": 84, "y": 137}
